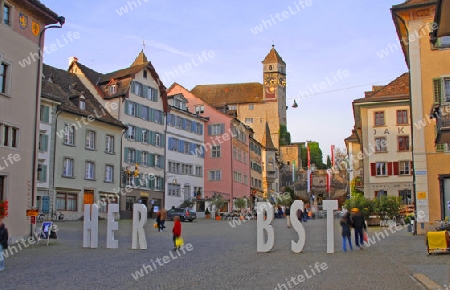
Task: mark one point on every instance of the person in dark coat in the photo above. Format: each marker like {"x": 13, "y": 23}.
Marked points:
{"x": 300, "y": 215}
{"x": 346, "y": 224}
{"x": 359, "y": 224}
{"x": 3, "y": 243}
{"x": 288, "y": 217}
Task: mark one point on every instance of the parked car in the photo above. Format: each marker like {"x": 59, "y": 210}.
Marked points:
{"x": 185, "y": 214}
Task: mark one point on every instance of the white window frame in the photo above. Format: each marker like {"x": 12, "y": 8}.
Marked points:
{"x": 9, "y": 135}
{"x": 6, "y": 84}
{"x": 69, "y": 134}
{"x": 10, "y": 14}
{"x": 68, "y": 167}
{"x": 109, "y": 173}
{"x": 378, "y": 144}
{"x": 158, "y": 139}
{"x": 131, "y": 133}
{"x": 214, "y": 175}
{"x": 216, "y": 151}
{"x": 402, "y": 168}
{"x": 131, "y": 158}
{"x": 90, "y": 140}
{"x": 199, "y": 109}
{"x": 89, "y": 172}
{"x": 109, "y": 146}
{"x": 380, "y": 172}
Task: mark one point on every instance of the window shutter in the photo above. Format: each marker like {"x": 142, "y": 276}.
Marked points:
{"x": 126, "y": 109}
{"x": 152, "y": 137}
{"x": 161, "y": 183}
{"x": 150, "y": 114}
{"x": 144, "y": 91}
{"x": 389, "y": 168}
{"x": 45, "y": 143}
{"x": 170, "y": 143}
{"x": 138, "y": 132}
{"x": 152, "y": 182}
{"x": 169, "y": 119}
{"x": 162, "y": 162}
{"x": 396, "y": 165}
{"x": 163, "y": 140}
{"x": 132, "y": 87}
{"x": 438, "y": 93}
{"x": 138, "y": 110}
{"x": 137, "y": 182}
{"x": 125, "y": 154}
{"x": 209, "y": 130}
{"x": 194, "y": 127}
{"x": 183, "y": 124}
{"x": 181, "y": 146}
{"x": 373, "y": 169}
{"x": 440, "y": 147}
{"x": 201, "y": 129}
{"x": 222, "y": 128}
{"x": 151, "y": 160}
{"x": 46, "y": 114}
{"x": 138, "y": 157}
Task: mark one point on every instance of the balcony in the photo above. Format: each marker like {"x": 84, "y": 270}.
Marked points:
{"x": 442, "y": 114}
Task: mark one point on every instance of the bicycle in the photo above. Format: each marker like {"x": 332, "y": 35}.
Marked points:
{"x": 41, "y": 217}
{"x": 59, "y": 217}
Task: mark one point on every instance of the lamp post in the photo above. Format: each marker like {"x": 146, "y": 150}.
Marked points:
{"x": 61, "y": 21}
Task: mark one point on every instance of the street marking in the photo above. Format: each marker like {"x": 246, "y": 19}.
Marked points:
{"x": 427, "y": 282}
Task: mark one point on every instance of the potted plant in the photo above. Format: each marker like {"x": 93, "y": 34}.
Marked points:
{"x": 218, "y": 203}
{"x": 3, "y": 208}
{"x": 207, "y": 213}
{"x": 199, "y": 194}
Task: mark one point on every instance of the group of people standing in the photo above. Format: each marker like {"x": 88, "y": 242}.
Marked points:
{"x": 356, "y": 221}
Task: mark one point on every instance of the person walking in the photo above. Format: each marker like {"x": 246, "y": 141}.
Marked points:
{"x": 3, "y": 243}
{"x": 346, "y": 224}
{"x": 158, "y": 219}
{"x": 288, "y": 216}
{"x": 359, "y": 225}
{"x": 176, "y": 231}
{"x": 162, "y": 220}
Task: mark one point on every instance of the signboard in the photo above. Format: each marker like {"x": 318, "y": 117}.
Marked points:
{"x": 155, "y": 208}
{"x": 422, "y": 202}
{"x": 421, "y": 172}
{"x": 33, "y": 220}
{"x": 421, "y": 195}
{"x": 32, "y": 212}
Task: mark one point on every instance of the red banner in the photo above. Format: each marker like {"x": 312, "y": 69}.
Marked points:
{"x": 309, "y": 157}
{"x": 332, "y": 155}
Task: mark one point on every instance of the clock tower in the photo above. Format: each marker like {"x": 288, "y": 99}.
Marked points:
{"x": 274, "y": 84}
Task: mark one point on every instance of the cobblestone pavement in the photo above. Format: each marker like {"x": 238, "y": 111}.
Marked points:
{"x": 222, "y": 257}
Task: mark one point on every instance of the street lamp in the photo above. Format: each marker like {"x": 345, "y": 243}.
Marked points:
{"x": 61, "y": 21}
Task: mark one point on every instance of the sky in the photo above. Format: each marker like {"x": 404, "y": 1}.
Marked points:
{"x": 346, "y": 45}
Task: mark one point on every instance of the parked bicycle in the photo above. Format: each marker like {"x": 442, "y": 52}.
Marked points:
{"x": 59, "y": 217}
{"x": 41, "y": 217}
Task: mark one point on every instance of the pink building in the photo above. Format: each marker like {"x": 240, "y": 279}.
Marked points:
{"x": 226, "y": 151}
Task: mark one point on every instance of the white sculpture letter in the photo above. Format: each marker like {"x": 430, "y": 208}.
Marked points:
{"x": 261, "y": 225}
{"x": 90, "y": 226}
{"x": 329, "y": 206}
{"x": 139, "y": 220}
{"x": 298, "y": 227}
{"x": 112, "y": 226}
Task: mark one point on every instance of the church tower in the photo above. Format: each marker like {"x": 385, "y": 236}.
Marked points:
{"x": 274, "y": 84}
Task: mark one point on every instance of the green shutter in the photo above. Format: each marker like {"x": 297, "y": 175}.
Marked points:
{"x": 126, "y": 107}
{"x": 138, "y": 110}
{"x": 163, "y": 140}
{"x": 144, "y": 91}
{"x": 138, "y": 136}
{"x": 437, "y": 90}
{"x": 46, "y": 114}
{"x": 162, "y": 162}
{"x": 45, "y": 143}
{"x": 440, "y": 147}
{"x": 152, "y": 137}
{"x": 150, "y": 114}
{"x": 151, "y": 160}
{"x": 125, "y": 154}
{"x": 138, "y": 156}
{"x": 152, "y": 182}
{"x": 44, "y": 173}
{"x": 161, "y": 183}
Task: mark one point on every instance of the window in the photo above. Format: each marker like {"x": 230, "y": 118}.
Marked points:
{"x": 144, "y": 73}
{"x": 380, "y": 193}
{"x": 234, "y": 152}
{"x": 214, "y": 175}
{"x": 251, "y": 106}
{"x": 131, "y": 156}
{"x": 174, "y": 189}
{"x": 199, "y": 109}
{"x": 158, "y": 161}
{"x": 144, "y": 158}
{"x": 131, "y": 134}
{"x": 89, "y": 170}
{"x": 215, "y": 152}
{"x": 130, "y": 200}
{"x": 106, "y": 199}
{"x": 404, "y": 167}
{"x": 44, "y": 116}
{"x": 145, "y": 136}
{"x": 9, "y": 136}
{"x": 68, "y": 167}
{"x": 379, "y": 118}
{"x": 137, "y": 89}
{"x": 381, "y": 169}
{"x": 90, "y": 140}
{"x": 380, "y": 144}
{"x": 198, "y": 171}
{"x": 109, "y": 173}
{"x": 42, "y": 172}
{"x": 144, "y": 112}
{"x": 447, "y": 88}
{"x": 7, "y": 14}
{"x": 112, "y": 89}
{"x": 158, "y": 139}
{"x": 216, "y": 129}
{"x": 69, "y": 137}
{"x": 43, "y": 142}
{"x": 403, "y": 143}
{"x": 109, "y": 144}
{"x": 402, "y": 117}
{"x": 4, "y": 75}
{"x": 249, "y": 120}
{"x": 131, "y": 109}
{"x": 441, "y": 90}
{"x": 245, "y": 179}
{"x": 232, "y": 107}
{"x": 442, "y": 42}
{"x": 2, "y": 187}
{"x": 66, "y": 201}
{"x": 82, "y": 104}
{"x": 405, "y": 196}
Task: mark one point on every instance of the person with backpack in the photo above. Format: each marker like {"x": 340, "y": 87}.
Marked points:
{"x": 346, "y": 224}
{"x": 3, "y": 243}
{"x": 359, "y": 224}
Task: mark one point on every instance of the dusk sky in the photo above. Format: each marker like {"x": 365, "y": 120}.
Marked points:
{"x": 318, "y": 40}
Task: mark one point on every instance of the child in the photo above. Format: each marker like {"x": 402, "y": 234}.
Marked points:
{"x": 176, "y": 231}
{"x": 346, "y": 223}
{"x": 3, "y": 243}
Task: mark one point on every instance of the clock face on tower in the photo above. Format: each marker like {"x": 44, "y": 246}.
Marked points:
{"x": 270, "y": 80}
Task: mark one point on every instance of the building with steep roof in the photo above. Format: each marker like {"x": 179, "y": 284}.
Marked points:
{"x": 270, "y": 164}
{"x": 80, "y": 165}
{"x": 136, "y": 96}
{"x": 254, "y": 104}
{"x": 429, "y": 67}
{"x": 383, "y": 136}
{"x": 21, "y": 29}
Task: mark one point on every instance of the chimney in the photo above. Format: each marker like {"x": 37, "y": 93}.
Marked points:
{"x": 72, "y": 59}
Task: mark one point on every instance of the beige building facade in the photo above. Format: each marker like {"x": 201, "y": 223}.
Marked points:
{"x": 21, "y": 23}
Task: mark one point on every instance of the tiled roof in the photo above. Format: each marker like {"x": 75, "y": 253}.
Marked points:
{"x": 267, "y": 139}
{"x": 352, "y": 137}
{"x": 65, "y": 86}
{"x": 411, "y": 3}
{"x": 52, "y": 17}
{"x": 218, "y": 95}
{"x": 397, "y": 89}
{"x": 273, "y": 56}
{"x": 123, "y": 77}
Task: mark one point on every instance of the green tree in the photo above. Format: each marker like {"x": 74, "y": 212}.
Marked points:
{"x": 218, "y": 202}
{"x": 328, "y": 161}
{"x": 315, "y": 153}
{"x": 240, "y": 203}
